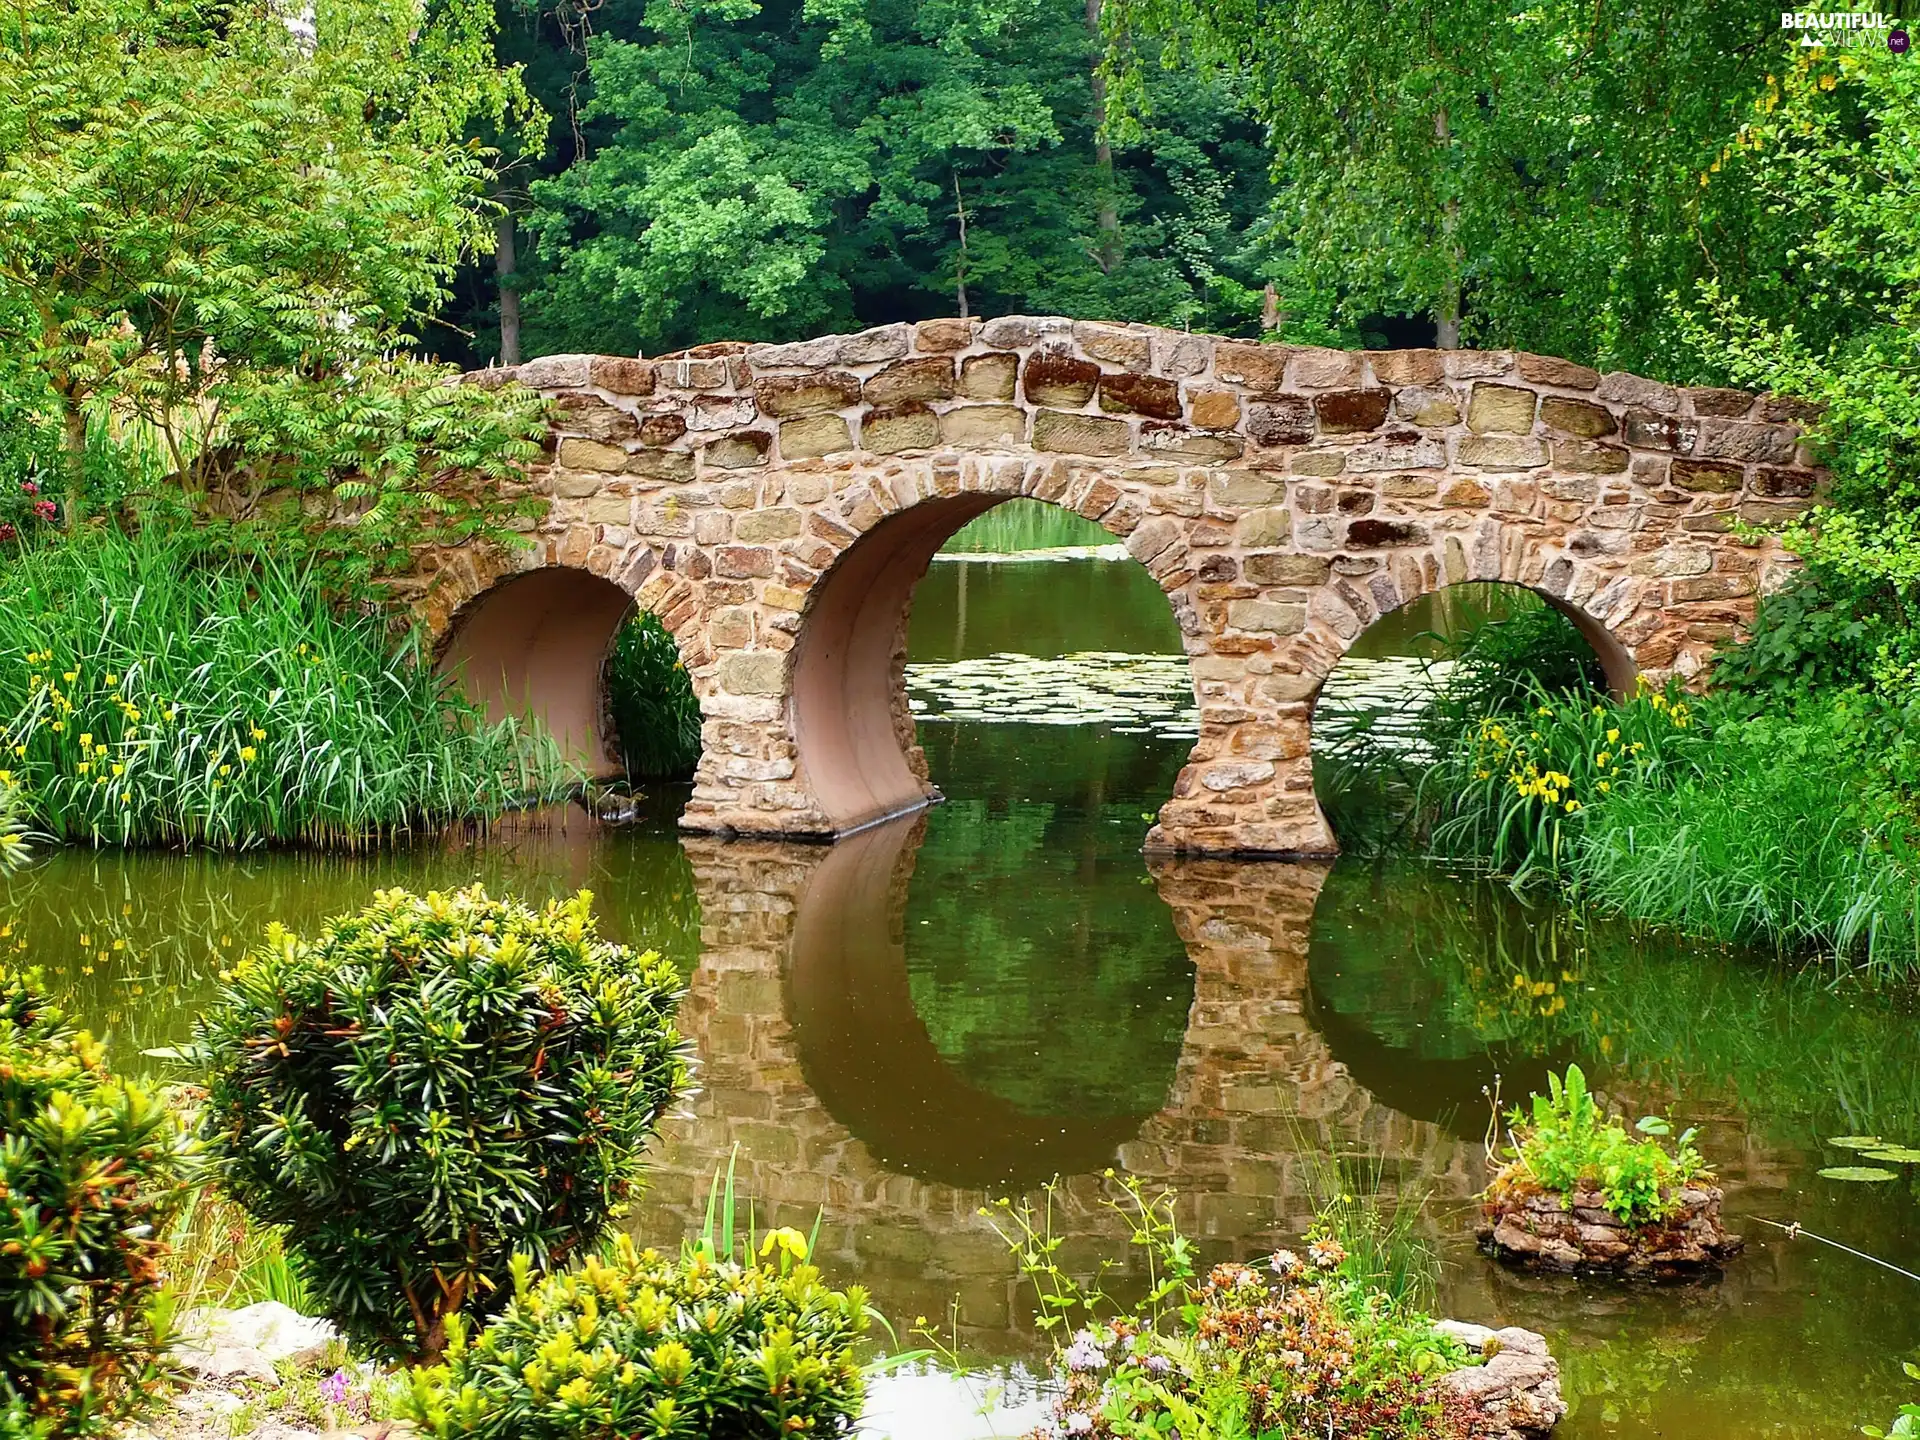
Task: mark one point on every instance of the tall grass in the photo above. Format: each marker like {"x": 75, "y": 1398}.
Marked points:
{"x": 1021, "y": 524}
{"x": 153, "y": 694}
{"x": 655, "y": 712}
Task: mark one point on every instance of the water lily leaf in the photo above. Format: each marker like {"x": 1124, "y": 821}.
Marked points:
{"x": 1895, "y": 1155}
{"x": 1865, "y": 1173}
{"x": 1857, "y": 1142}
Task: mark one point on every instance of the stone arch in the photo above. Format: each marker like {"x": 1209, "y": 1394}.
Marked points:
{"x": 760, "y": 497}
{"x": 853, "y": 730}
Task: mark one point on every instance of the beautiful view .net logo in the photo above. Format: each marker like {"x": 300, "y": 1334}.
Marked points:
{"x": 1850, "y": 29}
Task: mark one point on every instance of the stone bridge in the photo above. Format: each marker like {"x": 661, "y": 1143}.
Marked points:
{"x": 775, "y": 505}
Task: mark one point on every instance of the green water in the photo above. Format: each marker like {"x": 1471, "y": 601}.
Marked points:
{"x": 893, "y": 1030}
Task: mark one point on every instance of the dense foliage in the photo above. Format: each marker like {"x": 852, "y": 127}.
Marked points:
{"x": 768, "y": 171}
{"x": 91, "y": 1169}
{"x": 153, "y": 693}
{"x": 1333, "y": 1343}
{"x": 219, "y": 226}
{"x": 430, "y": 1086}
{"x": 701, "y": 1347}
{"x": 1565, "y": 1142}
{"x": 656, "y": 716}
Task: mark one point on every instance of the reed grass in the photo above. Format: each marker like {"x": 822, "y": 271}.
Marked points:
{"x": 655, "y": 713}
{"x": 1021, "y": 524}
{"x": 154, "y": 694}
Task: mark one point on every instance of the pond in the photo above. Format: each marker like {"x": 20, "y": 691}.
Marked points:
{"x": 896, "y": 1030}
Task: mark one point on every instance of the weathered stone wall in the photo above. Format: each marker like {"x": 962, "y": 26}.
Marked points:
{"x": 1283, "y": 497}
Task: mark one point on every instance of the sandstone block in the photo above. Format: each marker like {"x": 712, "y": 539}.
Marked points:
{"x": 928, "y": 377}
{"x": 1258, "y": 367}
{"x": 1434, "y": 406}
{"x": 1402, "y": 450}
{"x": 1237, "y": 774}
{"x": 670, "y": 465}
{"x": 791, "y": 395}
{"x": 1739, "y": 440}
{"x": 1728, "y": 404}
{"x": 1273, "y": 617}
{"x": 1407, "y": 367}
{"x": 1016, "y": 332}
{"x": 1551, "y": 370}
{"x": 1058, "y": 431}
{"x": 739, "y": 451}
{"x": 1178, "y": 356}
{"x": 1711, "y": 587}
{"x": 592, "y": 417}
{"x": 983, "y": 425}
{"x": 557, "y": 372}
{"x": 1316, "y": 368}
{"x": 893, "y": 428}
{"x": 743, "y": 562}
{"x": 1214, "y": 409}
{"x": 759, "y": 527}
{"x": 988, "y": 377}
{"x": 1376, "y": 533}
{"x": 1163, "y": 437}
{"x": 1712, "y": 475}
{"x": 1774, "y": 482}
{"x": 592, "y": 455}
{"x": 940, "y": 337}
{"x": 1589, "y": 457}
{"x": 662, "y": 429}
{"x": 753, "y": 672}
{"x": 1621, "y": 388}
{"x": 1053, "y": 377}
{"x": 1234, "y": 489}
{"x": 619, "y": 375}
{"x": 1350, "y": 411}
{"x": 1500, "y": 409}
{"x": 1117, "y": 345}
{"x": 1272, "y": 526}
{"x": 1130, "y": 394}
{"x": 1281, "y": 420}
{"x": 882, "y": 342}
{"x": 1649, "y": 430}
{"x": 1577, "y": 417}
{"x": 1501, "y": 452}
{"x": 1303, "y": 570}
{"x": 814, "y": 436}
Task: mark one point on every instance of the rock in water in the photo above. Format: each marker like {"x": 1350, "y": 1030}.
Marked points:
{"x": 229, "y": 1344}
{"x": 1516, "y": 1391}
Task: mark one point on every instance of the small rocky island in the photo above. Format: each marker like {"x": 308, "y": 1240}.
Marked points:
{"x": 1579, "y": 1192}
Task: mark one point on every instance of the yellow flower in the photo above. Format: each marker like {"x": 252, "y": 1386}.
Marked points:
{"x": 86, "y": 738}
{"x": 1572, "y": 805}
{"x": 82, "y": 768}
{"x": 119, "y": 769}
{"x": 226, "y": 769}
{"x": 113, "y": 679}
{"x": 788, "y": 1241}
{"x": 71, "y": 676}
{"x": 1604, "y": 787}
{"x": 1602, "y": 758}
{"x": 247, "y": 753}
{"x": 58, "y": 726}
{"x": 1613, "y": 735}
{"x": 258, "y": 733}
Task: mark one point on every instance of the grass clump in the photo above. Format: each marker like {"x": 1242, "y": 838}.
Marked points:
{"x": 91, "y": 1170}
{"x": 428, "y": 1088}
{"x": 152, "y": 693}
{"x": 1565, "y": 1143}
{"x": 640, "y": 1344}
{"x": 655, "y": 713}
{"x": 1331, "y": 1342}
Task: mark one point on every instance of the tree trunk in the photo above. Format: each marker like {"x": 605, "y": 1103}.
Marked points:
{"x": 73, "y": 447}
{"x": 1446, "y": 320}
{"x": 1109, "y": 215}
{"x": 1270, "y": 308}
{"x": 960, "y": 265}
{"x": 504, "y": 265}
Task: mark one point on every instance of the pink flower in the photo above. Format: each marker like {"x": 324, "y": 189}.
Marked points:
{"x": 7, "y": 532}
{"x": 29, "y": 487}
{"x": 44, "y": 509}
{"x": 333, "y": 1389}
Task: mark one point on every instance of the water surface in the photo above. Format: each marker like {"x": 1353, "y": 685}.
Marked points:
{"x": 897, "y": 1029}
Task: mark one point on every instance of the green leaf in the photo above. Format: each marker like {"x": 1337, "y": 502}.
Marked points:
{"x": 1865, "y": 1174}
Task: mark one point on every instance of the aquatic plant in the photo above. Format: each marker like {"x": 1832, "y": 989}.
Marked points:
{"x": 636, "y": 1343}
{"x": 655, "y": 713}
{"x": 1907, "y": 1423}
{"x": 154, "y": 694}
{"x": 428, "y": 1088}
{"x": 1019, "y": 525}
{"x": 91, "y": 1170}
{"x": 1565, "y": 1142}
{"x": 15, "y": 849}
{"x": 1311, "y": 1346}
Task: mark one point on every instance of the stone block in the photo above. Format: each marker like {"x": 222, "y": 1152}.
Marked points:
{"x": 1713, "y": 400}
{"x": 1711, "y": 475}
{"x": 592, "y": 455}
{"x": 1501, "y": 452}
{"x": 1282, "y": 569}
{"x": 1178, "y": 356}
{"x": 989, "y": 377}
{"x": 1776, "y": 482}
{"x": 1130, "y": 394}
{"x": 967, "y": 426}
{"x": 814, "y": 436}
{"x": 1711, "y": 587}
{"x": 1237, "y": 774}
{"x": 1316, "y": 368}
{"x": 662, "y": 429}
{"x": 670, "y": 465}
{"x": 1057, "y": 431}
{"x": 1403, "y": 450}
{"x": 1434, "y": 406}
{"x": 1258, "y": 367}
{"x": 783, "y": 396}
{"x": 1350, "y": 411}
{"x": 1620, "y": 388}
{"x": 1577, "y": 417}
{"x": 1162, "y": 437}
{"x": 739, "y": 451}
{"x": 1407, "y": 367}
{"x": 1214, "y": 409}
{"x": 1016, "y": 332}
{"x": 1274, "y": 617}
{"x": 1589, "y": 457}
{"x": 753, "y": 672}
{"x": 1649, "y": 430}
{"x": 941, "y": 337}
{"x": 1377, "y": 533}
{"x": 621, "y": 375}
{"x": 1114, "y": 344}
{"x": 1272, "y": 526}
{"x": 893, "y": 428}
{"x": 1740, "y": 440}
{"x": 1500, "y": 409}
{"x": 743, "y": 562}
{"x": 557, "y": 372}
{"x": 759, "y": 527}
{"x": 1551, "y": 370}
{"x": 1053, "y": 377}
{"x": 928, "y": 377}
{"x": 1237, "y": 489}
{"x": 592, "y": 417}
{"x": 720, "y": 412}
{"x": 870, "y": 347}
{"x": 1478, "y": 364}
{"x": 1281, "y": 420}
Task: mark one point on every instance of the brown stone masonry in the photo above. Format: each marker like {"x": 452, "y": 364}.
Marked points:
{"x": 775, "y": 504}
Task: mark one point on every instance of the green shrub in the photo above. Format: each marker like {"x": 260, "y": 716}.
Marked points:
{"x": 91, "y": 1170}
{"x": 1565, "y": 1142}
{"x": 154, "y": 694}
{"x": 1499, "y": 663}
{"x": 655, "y": 713}
{"x": 14, "y": 848}
{"x": 431, "y": 1085}
{"x": 639, "y": 1345}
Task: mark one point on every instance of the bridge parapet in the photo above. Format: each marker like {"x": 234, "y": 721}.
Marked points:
{"x": 775, "y": 504}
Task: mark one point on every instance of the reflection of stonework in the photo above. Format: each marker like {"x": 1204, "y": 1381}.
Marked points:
{"x": 775, "y": 505}
{"x": 816, "y": 1067}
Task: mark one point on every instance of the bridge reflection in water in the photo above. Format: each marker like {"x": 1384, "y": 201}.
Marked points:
{"x": 817, "y": 1066}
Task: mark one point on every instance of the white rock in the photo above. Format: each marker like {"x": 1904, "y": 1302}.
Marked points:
{"x": 228, "y": 1344}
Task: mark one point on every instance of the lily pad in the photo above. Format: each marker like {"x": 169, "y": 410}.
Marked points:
{"x": 1866, "y": 1173}
{"x": 1895, "y": 1155}
{"x": 1857, "y": 1142}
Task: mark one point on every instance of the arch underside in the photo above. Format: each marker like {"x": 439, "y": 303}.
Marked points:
{"x": 775, "y": 505}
